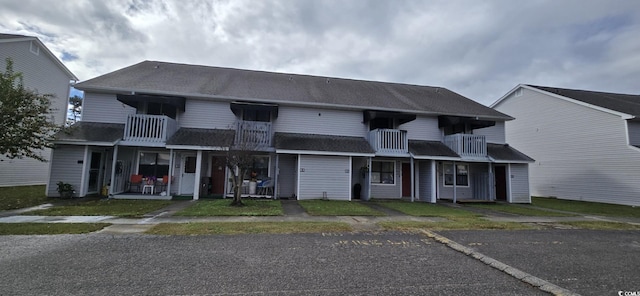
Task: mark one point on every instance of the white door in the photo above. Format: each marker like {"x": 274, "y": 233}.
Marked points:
{"x": 188, "y": 177}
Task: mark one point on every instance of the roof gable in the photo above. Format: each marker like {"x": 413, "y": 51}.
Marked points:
{"x": 21, "y": 38}
{"x": 227, "y": 83}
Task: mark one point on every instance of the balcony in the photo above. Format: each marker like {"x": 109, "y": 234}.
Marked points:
{"x": 389, "y": 141}
{"x": 148, "y": 130}
{"x": 256, "y": 133}
{"x": 470, "y": 146}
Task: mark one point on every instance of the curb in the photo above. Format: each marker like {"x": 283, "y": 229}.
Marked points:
{"x": 539, "y": 283}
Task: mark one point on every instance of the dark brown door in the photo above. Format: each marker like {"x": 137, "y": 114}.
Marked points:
{"x": 406, "y": 179}
{"x": 217, "y": 175}
{"x": 501, "y": 183}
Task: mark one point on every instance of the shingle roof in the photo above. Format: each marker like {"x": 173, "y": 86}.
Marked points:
{"x": 202, "y": 137}
{"x": 13, "y": 36}
{"x": 624, "y": 103}
{"x": 506, "y": 153}
{"x": 325, "y": 143}
{"x": 226, "y": 83}
{"x": 430, "y": 148}
{"x": 85, "y": 131}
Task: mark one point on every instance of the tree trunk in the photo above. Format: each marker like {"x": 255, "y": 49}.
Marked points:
{"x": 237, "y": 189}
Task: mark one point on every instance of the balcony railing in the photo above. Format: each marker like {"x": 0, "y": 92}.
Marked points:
{"x": 467, "y": 145}
{"x": 256, "y": 133}
{"x": 389, "y": 141}
{"x": 143, "y": 128}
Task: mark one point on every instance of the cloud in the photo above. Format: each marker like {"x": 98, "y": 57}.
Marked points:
{"x": 478, "y": 49}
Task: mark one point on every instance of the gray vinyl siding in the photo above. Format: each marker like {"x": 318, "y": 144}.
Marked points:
{"x": 388, "y": 190}
{"x": 105, "y": 108}
{"x": 633, "y": 128}
{"x": 581, "y": 153}
{"x": 320, "y": 121}
{"x": 324, "y": 174}
{"x": 494, "y": 134}
{"x": 519, "y": 183}
{"x": 207, "y": 114}
{"x": 43, "y": 75}
{"x": 287, "y": 177}
{"x": 65, "y": 167}
{"x": 424, "y": 180}
{"x": 423, "y": 128}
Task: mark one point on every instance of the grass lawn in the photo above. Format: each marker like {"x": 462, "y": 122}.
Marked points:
{"x": 220, "y": 207}
{"x": 102, "y": 207}
{"x": 453, "y": 224}
{"x": 422, "y": 209}
{"x": 584, "y": 207}
{"x": 49, "y": 228}
{"x": 602, "y": 225}
{"x": 337, "y": 208}
{"x": 247, "y": 227}
{"x": 519, "y": 210}
{"x": 22, "y": 197}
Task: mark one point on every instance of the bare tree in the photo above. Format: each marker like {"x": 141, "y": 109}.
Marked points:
{"x": 75, "y": 107}
{"x": 239, "y": 160}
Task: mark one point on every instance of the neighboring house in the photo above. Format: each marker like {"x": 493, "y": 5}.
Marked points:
{"x": 585, "y": 143}
{"x": 315, "y": 137}
{"x": 45, "y": 74}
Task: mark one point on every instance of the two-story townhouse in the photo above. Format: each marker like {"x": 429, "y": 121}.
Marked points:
{"x": 312, "y": 137}
{"x": 44, "y": 73}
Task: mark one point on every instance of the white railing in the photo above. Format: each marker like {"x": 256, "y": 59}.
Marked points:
{"x": 389, "y": 141}
{"x": 253, "y": 132}
{"x": 467, "y": 145}
{"x": 145, "y": 128}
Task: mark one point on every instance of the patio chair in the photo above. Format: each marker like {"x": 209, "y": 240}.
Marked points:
{"x": 136, "y": 180}
{"x": 266, "y": 187}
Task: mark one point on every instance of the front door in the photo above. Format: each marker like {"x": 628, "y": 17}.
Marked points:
{"x": 188, "y": 176}
{"x": 95, "y": 172}
{"x": 406, "y": 179}
{"x": 217, "y": 175}
{"x": 501, "y": 183}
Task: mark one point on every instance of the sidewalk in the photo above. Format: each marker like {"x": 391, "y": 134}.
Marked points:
{"x": 292, "y": 212}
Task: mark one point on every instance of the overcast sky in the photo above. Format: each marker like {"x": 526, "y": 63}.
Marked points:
{"x": 480, "y": 49}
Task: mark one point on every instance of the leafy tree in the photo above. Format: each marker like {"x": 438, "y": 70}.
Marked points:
{"x": 76, "y": 108}
{"x": 239, "y": 160}
{"x": 25, "y": 125}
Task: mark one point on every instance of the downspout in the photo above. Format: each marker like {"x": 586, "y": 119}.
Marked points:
{"x": 170, "y": 173}
{"x": 369, "y": 179}
{"x": 413, "y": 185}
{"x": 455, "y": 182}
{"x": 275, "y": 178}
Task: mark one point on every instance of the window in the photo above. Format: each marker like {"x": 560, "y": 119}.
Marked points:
{"x": 462, "y": 176}
{"x": 260, "y": 167}
{"x": 382, "y": 172}
{"x": 381, "y": 123}
{"x": 256, "y": 115}
{"x": 153, "y": 164}
{"x": 33, "y": 47}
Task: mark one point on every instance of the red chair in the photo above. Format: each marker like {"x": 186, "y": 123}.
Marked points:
{"x": 136, "y": 180}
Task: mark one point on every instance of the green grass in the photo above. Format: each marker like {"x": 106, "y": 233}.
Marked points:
{"x": 111, "y": 207}
{"x": 422, "y": 209}
{"x": 220, "y": 207}
{"x": 519, "y": 210}
{"x": 22, "y": 197}
{"x": 584, "y": 207}
{"x": 453, "y": 224}
{"x": 337, "y": 208}
{"x": 49, "y": 228}
{"x": 247, "y": 227}
{"x": 602, "y": 225}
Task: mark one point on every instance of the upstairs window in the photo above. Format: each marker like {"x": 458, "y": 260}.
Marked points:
{"x": 151, "y": 108}
{"x": 256, "y": 115}
{"x": 381, "y": 123}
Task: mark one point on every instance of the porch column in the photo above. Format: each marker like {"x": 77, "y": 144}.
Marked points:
{"x": 434, "y": 181}
{"x": 196, "y": 186}
{"x": 491, "y": 183}
{"x": 114, "y": 162}
{"x": 170, "y": 173}
{"x": 275, "y": 178}
{"x": 455, "y": 182}
{"x": 369, "y": 179}
{"x": 413, "y": 185}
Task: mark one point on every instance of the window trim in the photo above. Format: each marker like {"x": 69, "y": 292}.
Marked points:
{"x": 394, "y": 173}
{"x": 444, "y": 179}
